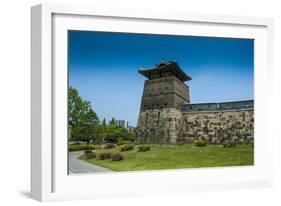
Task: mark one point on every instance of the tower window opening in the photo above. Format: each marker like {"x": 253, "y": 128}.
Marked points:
{"x": 158, "y": 121}
{"x": 146, "y": 117}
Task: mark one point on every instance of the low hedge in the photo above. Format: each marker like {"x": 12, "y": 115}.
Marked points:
{"x": 229, "y": 144}
{"x": 117, "y": 157}
{"x": 105, "y": 155}
{"x": 127, "y": 147}
{"x": 201, "y": 142}
{"x": 143, "y": 148}
{"x": 109, "y": 146}
{"x": 89, "y": 154}
{"x": 79, "y": 147}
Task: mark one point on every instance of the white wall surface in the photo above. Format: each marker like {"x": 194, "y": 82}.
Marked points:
{"x": 15, "y": 101}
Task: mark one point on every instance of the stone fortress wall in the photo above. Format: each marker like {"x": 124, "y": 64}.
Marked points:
{"x": 218, "y": 121}
{"x": 170, "y": 125}
{"x": 167, "y": 116}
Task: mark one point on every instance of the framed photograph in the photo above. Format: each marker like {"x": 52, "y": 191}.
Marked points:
{"x": 137, "y": 102}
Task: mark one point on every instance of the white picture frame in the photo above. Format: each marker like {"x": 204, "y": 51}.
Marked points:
{"x": 49, "y": 178}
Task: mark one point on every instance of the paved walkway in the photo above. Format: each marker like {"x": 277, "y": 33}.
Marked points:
{"x": 77, "y": 166}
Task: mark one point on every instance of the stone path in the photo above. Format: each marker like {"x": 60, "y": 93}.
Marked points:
{"x": 77, "y": 166}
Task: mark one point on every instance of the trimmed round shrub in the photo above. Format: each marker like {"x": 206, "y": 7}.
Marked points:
{"x": 89, "y": 154}
{"x": 229, "y": 144}
{"x": 201, "y": 142}
{"x": 127, "y": 147}
{"x": 105, "y": 155}
{"x": 117, "y": 157}
{"x": 143, "y": 148}
{"x": 109, "y": 146}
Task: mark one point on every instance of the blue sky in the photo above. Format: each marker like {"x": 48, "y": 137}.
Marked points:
{"x": 104, "y": 66}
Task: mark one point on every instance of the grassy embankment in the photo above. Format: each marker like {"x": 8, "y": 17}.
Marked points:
{"x": 177, "y": 156}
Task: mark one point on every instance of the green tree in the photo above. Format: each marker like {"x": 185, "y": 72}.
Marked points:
{"x": 90, "y": 132}
{"x": 76, "y": 108}
{"x": 104, "y": 122}
{"x": 90, "y": 128}
{"x": 132, "y": 134}
{"x": 123, "y": 133}
{"x": 112, "y": 121}
{"x": 110, "y": 134}
{"x": 82, "y": 120}
{"x": 113, "y": 133}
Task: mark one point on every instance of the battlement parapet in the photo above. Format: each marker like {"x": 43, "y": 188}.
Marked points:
{"x": 221, "y": 106}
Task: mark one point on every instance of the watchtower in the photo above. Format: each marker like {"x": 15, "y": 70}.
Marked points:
{"x": 163, "y": 95}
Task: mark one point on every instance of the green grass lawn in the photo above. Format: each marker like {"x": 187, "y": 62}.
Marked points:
{"x": 177, "y": 156}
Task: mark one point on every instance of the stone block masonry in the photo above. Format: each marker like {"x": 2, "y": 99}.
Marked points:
{"x": 159, "y": 126}
{"x": 172, "y": 125}
{"x": 218, "y": 126}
